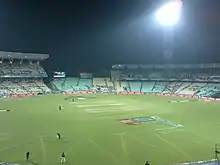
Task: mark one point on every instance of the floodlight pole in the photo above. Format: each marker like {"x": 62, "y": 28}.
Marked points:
{"x": 168, "y": 42}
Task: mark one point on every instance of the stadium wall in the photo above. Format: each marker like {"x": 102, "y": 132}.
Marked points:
{"x": 120, "y": 93}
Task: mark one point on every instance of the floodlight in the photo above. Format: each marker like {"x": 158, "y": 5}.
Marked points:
{"x": 169, "y": 13}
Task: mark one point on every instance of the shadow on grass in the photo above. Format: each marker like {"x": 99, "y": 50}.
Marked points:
{"x": 33, "y": 163}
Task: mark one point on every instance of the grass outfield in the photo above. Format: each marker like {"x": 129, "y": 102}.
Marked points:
{"x": 94, "y": 135}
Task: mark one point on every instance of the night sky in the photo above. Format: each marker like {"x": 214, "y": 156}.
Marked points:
{"x": 91, "y": 35}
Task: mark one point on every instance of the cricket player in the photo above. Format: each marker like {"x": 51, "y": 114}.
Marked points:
{"x": 147, "y": 163}
{"x": 58, "y": 136}
{"x": 27, "y": 156}
{"x": 60, "y": 107}
{"x": 63, "y": 158}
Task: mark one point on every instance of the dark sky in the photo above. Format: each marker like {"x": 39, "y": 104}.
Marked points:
{"x": 89, "y": 35}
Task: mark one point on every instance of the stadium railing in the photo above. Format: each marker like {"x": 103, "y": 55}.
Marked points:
{"x": 121, "y": 93}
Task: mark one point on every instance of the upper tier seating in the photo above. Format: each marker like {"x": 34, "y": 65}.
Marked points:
{"x": 16, "y": 69}
{"x": 164, "y": 74}
{"x": 9, "y": 84}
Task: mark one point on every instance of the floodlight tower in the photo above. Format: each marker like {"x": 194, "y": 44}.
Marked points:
{"x": 168, "y": 16}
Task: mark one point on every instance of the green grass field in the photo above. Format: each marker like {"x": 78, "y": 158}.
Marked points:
{"x": 93, "y": 134}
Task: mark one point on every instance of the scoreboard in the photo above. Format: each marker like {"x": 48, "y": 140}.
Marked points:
{"x": 59, "y": 74}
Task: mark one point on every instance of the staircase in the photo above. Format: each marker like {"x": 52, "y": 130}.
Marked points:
{"x": 184, "y": 88}
{"x": 129, "y": 86}
{"x": 77, "y": 84}
{"x": 106, "y": 84}
{"x": 153, "y": 87}
{"x": 141, "y": 86}
{"x": 52, "y": 86}
{"x": 39, "y": 87}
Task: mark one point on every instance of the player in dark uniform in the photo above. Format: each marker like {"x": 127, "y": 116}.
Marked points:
{"x": 60, "y": 107}
{"x": 73, "y": 100}
{"x": 63, "y": 158}
{"x": 27, "y": 155}
{"x": 147, "y": 163}
{"x": 58, "y": 136}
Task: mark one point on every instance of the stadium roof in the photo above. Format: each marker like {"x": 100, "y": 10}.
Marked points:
{"x": 19, "y": 55}
{"x": 167, "y": 66}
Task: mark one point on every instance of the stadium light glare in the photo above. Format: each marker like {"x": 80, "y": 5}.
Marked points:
{"x": 169, "y": 14}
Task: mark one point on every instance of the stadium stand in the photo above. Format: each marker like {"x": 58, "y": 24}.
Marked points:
{"x": 71, "y": 83}
{"x": 85, "y": 83}
{"x": 135, "y": 86}
{"x": 209, "y": 90}
{"x": 194, "y": 80}
{"x": 59, "y": 84}
{"x": 121, "y": 86}
{"x": 118, "y": 86}
{"x": 192, "y": 88}
{"x": 147, "y": 86}
{"x": 21, "y": 73}
{"x": 201, "y": 80}
{"x": 159, "y": 87}
{"x": 172, "y": 87}
{"x": 68, "y": 84}
{"x": 183, "y": 86}
{"x": 99, "y": 81}
{"x": 126, "y": 86}
{"x": 109, "y": 83}
{"x": 18, "y": 69}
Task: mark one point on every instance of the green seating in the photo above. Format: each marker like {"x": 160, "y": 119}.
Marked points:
{"x": 135, "y": 86}
{"x": 67, "y": 85}
{"x": 159, "y": 87}
{"x": 209, "y": 90}
{"x": 147, "y": 86}
{"x": 84, "y": 84}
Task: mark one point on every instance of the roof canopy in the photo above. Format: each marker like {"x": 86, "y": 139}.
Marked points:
{"x": 168, "y": 66}
{"x": 18, "y": 55}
